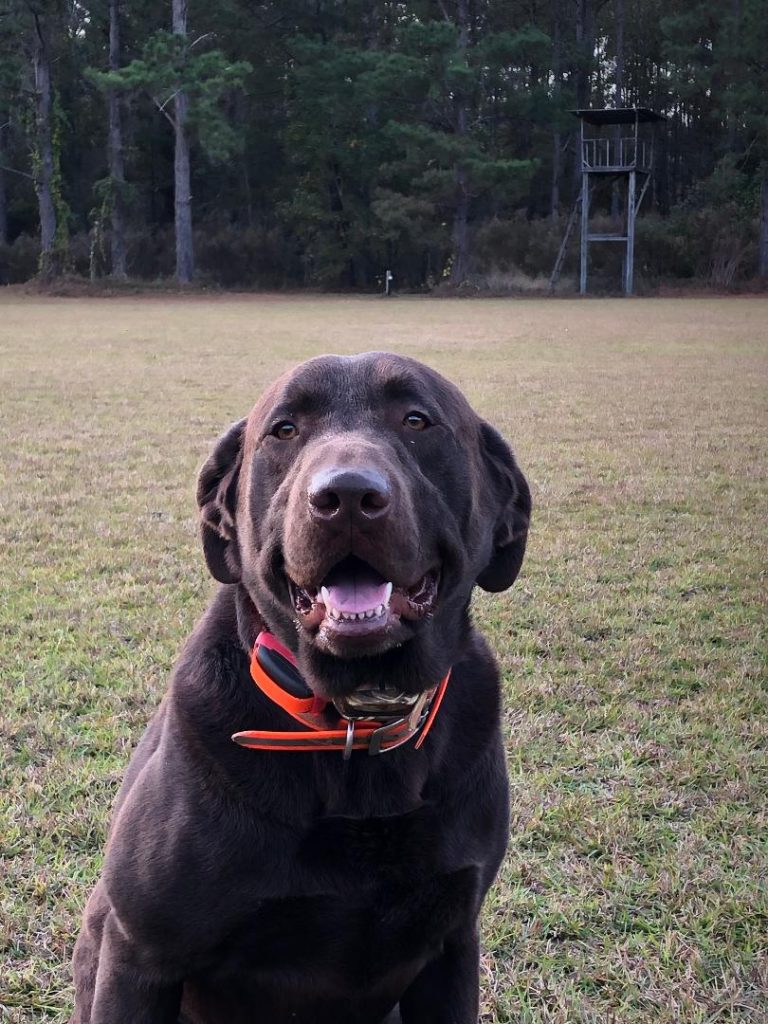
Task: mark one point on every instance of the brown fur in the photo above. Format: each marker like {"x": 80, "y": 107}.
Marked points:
{"x": 245, "y": 886}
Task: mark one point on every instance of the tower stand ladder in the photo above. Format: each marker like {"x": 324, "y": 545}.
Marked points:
{"x": 560, "y": 261}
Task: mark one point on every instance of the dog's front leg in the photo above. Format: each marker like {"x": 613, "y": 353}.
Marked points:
{"x": 447, "y": 990}
{"x": 128, "y": 989}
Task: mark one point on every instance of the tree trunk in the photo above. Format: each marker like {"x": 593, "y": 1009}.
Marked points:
{"x": 733, "y": 45}
{"x": 185, "y": 262}
{"x": 584, "y": 48}
{"x": 116, "y": 163}
{"x": 619, "y": 98}
{"x": 557, "y": 54}
{"x": 44, "y": 172}
{"x": 372, "y": 20}
{"x": 660, "y": 177}
{"x": 582, "y": 69}
{"x": 3, "y": 197}
{"x": 763, "y": 262}
{"x": 460, "y": 266}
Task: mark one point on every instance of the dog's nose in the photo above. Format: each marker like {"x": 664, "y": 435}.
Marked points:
{"x": 354, "y": 493}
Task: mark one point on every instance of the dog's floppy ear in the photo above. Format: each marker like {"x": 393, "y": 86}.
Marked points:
{"x": 513, "y": 511}
{"x": 217, "y": 500}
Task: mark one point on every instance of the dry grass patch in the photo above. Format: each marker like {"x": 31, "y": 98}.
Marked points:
{"x": 632, "y": 647}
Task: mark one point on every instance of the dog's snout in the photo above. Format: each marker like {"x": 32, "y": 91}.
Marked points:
{"x": 354, "y": 493}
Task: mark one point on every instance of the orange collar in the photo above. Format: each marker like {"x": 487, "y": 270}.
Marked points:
{"x": 273, "y": 669}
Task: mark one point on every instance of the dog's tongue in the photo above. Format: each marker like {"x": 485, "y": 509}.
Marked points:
{"x": 356, "y": 590}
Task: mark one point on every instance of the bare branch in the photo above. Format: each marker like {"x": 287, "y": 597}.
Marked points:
{"x": 200, "y": 39}
{"x": 161, "y": 107}
{"x": 38, "y": 29}
{"x": 12, "y": 170}
{"x": 441, "y": 5}
{"x": 164, "y": 104}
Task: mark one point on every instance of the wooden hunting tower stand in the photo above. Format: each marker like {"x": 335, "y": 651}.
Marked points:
{"x": 624, "y": 154}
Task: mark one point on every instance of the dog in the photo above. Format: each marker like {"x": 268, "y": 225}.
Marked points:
{"x": 310, "y": 823}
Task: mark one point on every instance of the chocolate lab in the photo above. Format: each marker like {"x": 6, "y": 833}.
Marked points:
{"x": 310, "y": 823}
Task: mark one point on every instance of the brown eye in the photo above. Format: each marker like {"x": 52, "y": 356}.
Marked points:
{"x": 416, "y": 421}
{"x": 285, "y": 431}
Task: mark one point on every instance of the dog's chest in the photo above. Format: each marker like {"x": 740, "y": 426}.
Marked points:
{"x": 371, "y": 938}
{"x": 368, "y": 899}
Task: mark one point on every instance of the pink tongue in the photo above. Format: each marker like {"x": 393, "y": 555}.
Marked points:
{"x": 357, "y": 596}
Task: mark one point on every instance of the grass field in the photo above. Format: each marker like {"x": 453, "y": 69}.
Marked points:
{"x": 632, "y": 646}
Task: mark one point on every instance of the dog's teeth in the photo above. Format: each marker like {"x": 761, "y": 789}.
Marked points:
{"x": 335, "y": 613}
{"x": 387, "y": 594}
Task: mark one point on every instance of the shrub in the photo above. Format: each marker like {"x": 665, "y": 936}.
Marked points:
{"x": 19, "y": 260}
{"x": 251, "y": 257}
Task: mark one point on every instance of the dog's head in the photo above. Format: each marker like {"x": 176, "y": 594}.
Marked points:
{"x": 355, "y": 508}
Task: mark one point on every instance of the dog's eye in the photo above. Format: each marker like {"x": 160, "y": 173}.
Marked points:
{"x": 416, "y": 421}
{"x": 285, "y": 431}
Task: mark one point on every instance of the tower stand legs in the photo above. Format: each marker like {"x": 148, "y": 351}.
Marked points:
{"x": 584, "y": 231}
{"x": 629, "y": 263}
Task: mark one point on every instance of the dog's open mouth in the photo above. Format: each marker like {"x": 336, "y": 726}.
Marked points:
{"x": 355, "y": 599}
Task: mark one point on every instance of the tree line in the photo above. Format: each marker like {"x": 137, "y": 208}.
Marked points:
{"x": 321, "y": 142}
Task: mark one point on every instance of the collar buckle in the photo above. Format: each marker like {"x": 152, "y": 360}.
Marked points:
{"x": 350, "y": 740}
{"x": 377, "y": 704}
{"x": 411, "y": 723}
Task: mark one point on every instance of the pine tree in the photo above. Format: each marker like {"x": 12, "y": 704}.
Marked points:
{"x": 172, "y": 70}
{"x": 41, "y": 32}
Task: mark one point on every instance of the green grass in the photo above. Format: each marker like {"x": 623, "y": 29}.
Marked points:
{"x": 632, "y": 646}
